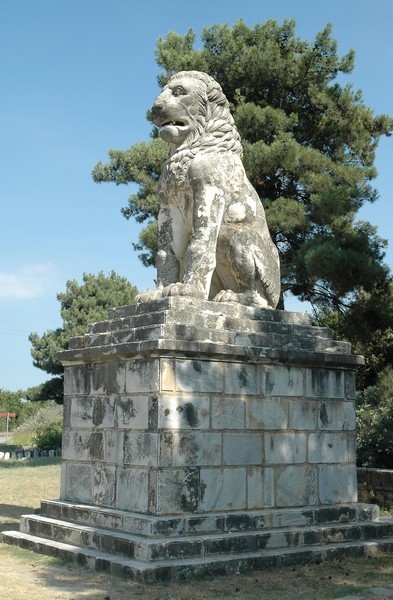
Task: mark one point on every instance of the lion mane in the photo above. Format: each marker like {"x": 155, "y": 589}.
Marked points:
{"x": 214, "y": 129}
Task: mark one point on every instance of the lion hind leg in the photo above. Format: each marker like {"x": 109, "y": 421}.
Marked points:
{"x": 253, "y": 273}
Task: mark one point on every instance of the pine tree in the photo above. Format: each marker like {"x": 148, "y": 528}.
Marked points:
{"x": 81, "y": 304}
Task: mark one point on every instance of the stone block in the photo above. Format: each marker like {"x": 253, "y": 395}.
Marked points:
{"x": 337, "y": 483}
{"x": 223, "y": 489}
{"x": 189, "y": 449}
{"x": 296, "y": 486}
{"x": 114, "y": 447}
{"x": 83, "y": 445}
{"x": 183, "y": 412}
{"x": 303, "y": 414}
{"x": 242, "y": 379}
{"x": 293, "y": 518}
{"x": 132, "y": 491}
{"x": 107, "y": 378}
{"x": 349, "y": 385}
{"x": 178, "y": 490}
{"x": 242, "y": 449}
{"x": 88, "y": 412}
{"x": 141, "y": 449}
{"x": 267, "y": 413}
{"x": 228, "y": 413}
{"x": 352, "y": 447}
{"x": 336, "y": 415}
{"x": 104, "y": 485}
{"x": 142, "y": 376}
{"x": 77, "y": 482}
{"x": 328, "y": 448}
{"x": 199, "y": 376}
{"x": 204, "y": 524}
{"x": 285, "y": 448}
{"x": 167, "y": 369}
{"x": 132, "y": 412}
{"x": 67, "y": 410}
{"x": 260, "y": 488}
{"x": 283, "y": 381}
{"x": 324, "y": 383}
{"x": 77, "y": 380}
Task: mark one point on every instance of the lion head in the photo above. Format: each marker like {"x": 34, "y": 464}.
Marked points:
{"x": 192, "y": 114}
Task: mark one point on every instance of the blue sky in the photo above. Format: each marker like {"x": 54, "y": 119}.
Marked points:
{"x": 77, "y": 77}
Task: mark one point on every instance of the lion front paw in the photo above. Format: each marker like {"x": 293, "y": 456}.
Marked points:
{"x": 148, "y": 296}
{"x": 183, "y": 289}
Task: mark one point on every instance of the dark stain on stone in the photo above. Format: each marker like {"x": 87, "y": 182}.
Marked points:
{"x": 168, "y": 440}
{"x": 96, "y": 446}
{"x": 243, "y": 378}
{"x": 323, "y": 415}
{"x": 240, "y": 522}
{"x": 173, "y": 526}
{"x": 269, "y": 382}
{"x": 98, "y": 412}
{"x": 189, "y": 495}
{"x": 166, "y": 412}
{"x": 188, "y": 448}
{"x": 197, "y": 366}
{"x": 153, "y": 413}
{"x": 190, "y": 414}
{"x": 262, "y": 541}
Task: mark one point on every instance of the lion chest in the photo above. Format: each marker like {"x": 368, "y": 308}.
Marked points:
{"x": 176, "y": 213}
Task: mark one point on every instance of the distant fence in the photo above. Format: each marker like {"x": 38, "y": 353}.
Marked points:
{"x": 31, "y": 453}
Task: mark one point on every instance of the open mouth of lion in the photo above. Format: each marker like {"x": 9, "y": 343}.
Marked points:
{"x": 173, "y": 124}
{"x": 174, "y": 132}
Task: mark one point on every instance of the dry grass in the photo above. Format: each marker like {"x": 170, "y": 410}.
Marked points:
{"x": 28, "y": 575}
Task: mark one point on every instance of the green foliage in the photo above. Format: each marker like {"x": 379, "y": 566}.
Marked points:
{"x": 49, "y": 435}
{"x": 309, "y": 149}
{"x": 81, "y": 304}
{"x": 375, "y": 423}
{"x": 43, "y": 428}
{"x": 368, "y": 325}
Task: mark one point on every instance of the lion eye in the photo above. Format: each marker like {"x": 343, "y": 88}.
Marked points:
{"x": 178, "y": 91}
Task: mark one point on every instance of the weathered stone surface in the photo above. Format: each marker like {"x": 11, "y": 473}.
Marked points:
{"x": 296, "y": 486}
{"x": 337, "y": 483}
{"x": 242, "y": 449}
{"x": 283, "y": 381}
{"x": 312, "y": 346}
{"x": 223, "y": 489}
{"x": 285, "y": 448}
{"x": 267, "y": 413}
{"x": 146, "y": 547}
{"x": 183, "y": 412}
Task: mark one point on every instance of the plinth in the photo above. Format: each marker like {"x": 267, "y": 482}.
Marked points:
{"x": 202, "y": 436}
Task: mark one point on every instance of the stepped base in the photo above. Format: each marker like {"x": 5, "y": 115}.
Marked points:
{"x": 144, "y": 547}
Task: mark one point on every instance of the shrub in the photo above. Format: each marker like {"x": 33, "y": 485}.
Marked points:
{"x": 43, "y": 428}
{"x": 374, "y": 418}
{"x": 49, "y": 434}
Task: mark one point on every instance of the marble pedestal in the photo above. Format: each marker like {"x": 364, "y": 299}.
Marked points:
{"x": 201, "y": 436}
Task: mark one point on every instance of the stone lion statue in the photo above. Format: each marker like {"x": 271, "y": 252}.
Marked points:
{"x": 213, "y": 238}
